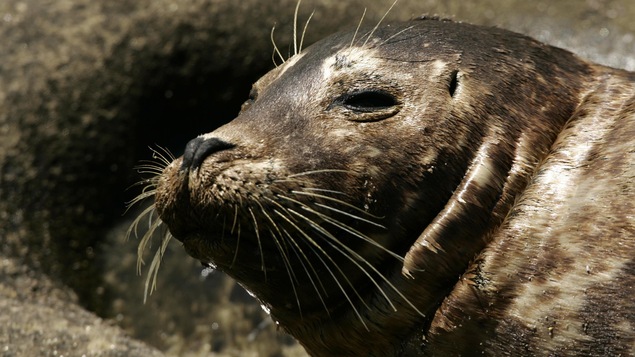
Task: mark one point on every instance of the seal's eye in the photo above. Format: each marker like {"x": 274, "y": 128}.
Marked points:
{"x": 369, "y": 101}
{"x": 253, "y": 94}
{"x": 367, "y": 105}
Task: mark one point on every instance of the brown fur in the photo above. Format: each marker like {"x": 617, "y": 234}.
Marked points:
{"x": 500, "y": 168}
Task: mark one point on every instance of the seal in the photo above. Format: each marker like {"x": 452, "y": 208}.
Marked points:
{"x": 423, "y": 188}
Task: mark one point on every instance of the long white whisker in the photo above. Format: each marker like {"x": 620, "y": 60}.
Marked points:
{"x": 150, "y": 167}
{"x": 135, "y": 224}
{"x": 295, "y": 28}
{"x": 310, "y": 240}
{"x": 312, "y": 172}
{"x": 145, "y": 193}
{"x": 163, "y": 155}
{"x": 354, "y": 232}
{"x": 350, "y": 215}
{"x": 324, "y": 191}
{"x": 362, "y": 259}
{"x": 325, "y": 197}
{"x": 297, "y": 248}
{"x": 275, "y": 48}
{"x": 287, "y": 266}
{"x": 262, "y": 256}
{"x": 147, "y": 237}
{"x": 379, "y": 23}
{"x": 236, "y": 251}
{"x": 306, "y": 26}
{"x": 357, "y": 29}
{"x": 332, "y": 240}
{"x": 395, "y": 35}
{"x": 235, "y": 220}
{"x": 285, "y": 259}
{"x": 302, "y": 257}
{"x": 153, "y": 271}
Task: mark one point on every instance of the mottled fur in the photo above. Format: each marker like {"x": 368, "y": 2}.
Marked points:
{"x": 500, "y": 169}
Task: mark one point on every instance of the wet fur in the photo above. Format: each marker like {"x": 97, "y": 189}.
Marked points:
{"x": 492, "y": 213}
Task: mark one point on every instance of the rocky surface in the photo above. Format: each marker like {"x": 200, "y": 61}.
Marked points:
{"x": 41, "y": 318}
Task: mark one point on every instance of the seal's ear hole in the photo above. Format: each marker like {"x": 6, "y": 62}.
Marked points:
{"x": 454, "y": 82}
{"x": 369, "y": 100}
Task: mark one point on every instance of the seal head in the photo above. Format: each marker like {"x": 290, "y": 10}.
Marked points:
{"x": 366, "y": 174}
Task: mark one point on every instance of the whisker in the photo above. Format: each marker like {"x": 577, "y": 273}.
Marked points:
{"x": 275, "y": 48}
{"x": 262, "y": 256}
{"x": 339, "y": 224}
{"x": 325, "y": 191}
{"x": 354, "y": 232}
{"x": 310, "y": 240}
{"x": 349, "y": 254}
{"x": 299, "y": 182}
{"x": 296, "y": 249}
{"x": 153, "y": 271}
{"x": 285, "y": 258}
{"x": 306, "y": 26}
{"x": 235, "y": 220}
{"x": 237, "y": 245}
{"x": 335, "y": 209}
{"x": 343, "y": 203}
{"x": 312, "y": 172}
{"x": 304, "y": 258}
{"x": 135, "y": 224}
{"x": 290, "y": 272}
{"x": 163, "y": 158}
{"x": 357, "y": 29}
{"x": 150, "y": 167}
{"x": 379, "y": 23}
{"x": 295, "y": 28}
{"x": 147, "y": 238}
{"x": 366, "y": 262}
{"x": 395, "y": 35}
{"x": 350, "y": 215}
{"x": 163, "y": 155}
{"x": 145, "y": 193}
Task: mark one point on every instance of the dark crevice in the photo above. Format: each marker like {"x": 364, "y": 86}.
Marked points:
{"x": 454, "y": 82}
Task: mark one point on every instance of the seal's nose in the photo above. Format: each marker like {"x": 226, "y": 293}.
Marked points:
{"x": 198, "y": 149}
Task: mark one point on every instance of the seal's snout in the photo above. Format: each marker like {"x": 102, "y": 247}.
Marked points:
{"x": 198, "y": 149}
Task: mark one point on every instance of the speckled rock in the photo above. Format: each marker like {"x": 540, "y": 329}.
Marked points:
{"x": 39, "y": 318}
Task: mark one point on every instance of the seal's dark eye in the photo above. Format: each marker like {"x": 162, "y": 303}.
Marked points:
{"x": 366, "y": 105}
{"x": 253, "y": 94}
{"x": 368, "y": 101}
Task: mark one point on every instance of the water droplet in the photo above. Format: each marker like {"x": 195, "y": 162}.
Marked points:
{"x": 209, "y": 269}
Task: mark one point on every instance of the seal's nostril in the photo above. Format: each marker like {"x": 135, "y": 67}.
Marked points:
{"x": 198, "y": 149}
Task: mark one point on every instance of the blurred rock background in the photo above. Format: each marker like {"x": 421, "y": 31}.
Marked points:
{"x": 86, "y": 87}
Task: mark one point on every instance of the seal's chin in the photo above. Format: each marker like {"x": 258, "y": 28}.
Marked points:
{"x": 294, "y": 274}
{"x": 226, "y": 256}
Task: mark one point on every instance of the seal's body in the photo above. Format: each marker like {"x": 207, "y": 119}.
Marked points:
{"x": 424, "y": 188}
